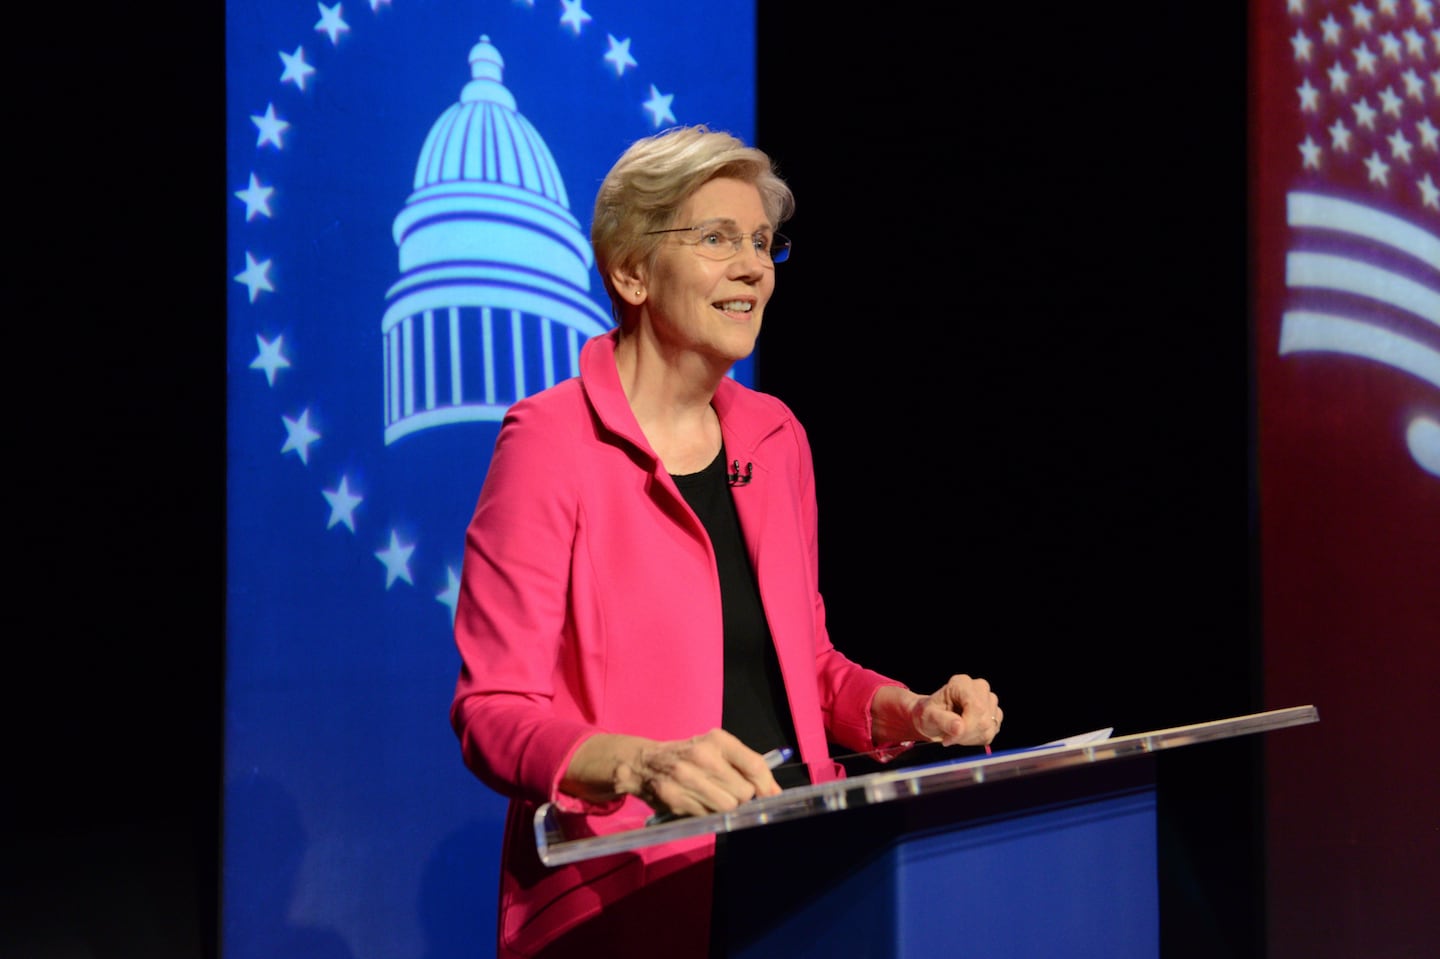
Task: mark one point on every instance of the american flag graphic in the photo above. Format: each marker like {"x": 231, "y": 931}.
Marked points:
{"x": 1362, "y": 265}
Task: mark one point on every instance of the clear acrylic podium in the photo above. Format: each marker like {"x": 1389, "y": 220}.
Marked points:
{"x": 1048, "y": 851}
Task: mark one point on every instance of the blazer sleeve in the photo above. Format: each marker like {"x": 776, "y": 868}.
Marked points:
{"x": 510, "y": 618}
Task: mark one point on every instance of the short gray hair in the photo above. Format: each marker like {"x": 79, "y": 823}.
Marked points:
{"x": 655, "y": 175}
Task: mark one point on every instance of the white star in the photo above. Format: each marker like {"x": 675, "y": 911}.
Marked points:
{"x": 1364, "y": 60}
{"x": 270, "y": 358}
{"x": 1422, "y": 9}
{"x": 1339, "y": 136}
{"x": 1414, "y": 43}
{"x": 1390, "y": 47}
{"x": 1414, "y": 86}
{"x": 1360, "y": 15}
{"x": 375, "y": 5}
{"x": 1310, "y": 152}
{"x": 1386, "y": 7}
{"x": 1339, "y": 78}
{"x": 397, "y": 561}
{"x": 1364, "y": 114}
{"x": 299, "y": 436}
{"x": 450, "y": 595}
{"x": 256, "y": 276}
{"x": 1309, "y": 96}
{"x": 331, "y": 22}
{"x": 619, "y": 54}
{"x": 659, "y": 106}
{"x": 1430, "y": 193}
{"x": 574, "y": 16}
{"x": 1379, "y": 169}
{"x": 1301, "y": 44}
{"x": 296, "y": 69}
{"x": 271, "y": 127}
{"x": 1435, "y": 76}
{"x": 1330, "y": 28}
{"x": 1391, "y": 102}
{"x": 1295, "y": 6}
{"x": 1429, "y": 134}
{"x": 1399, "y": 147}
{"x": 256, "y": 198}
{"x": 342, "y": 504}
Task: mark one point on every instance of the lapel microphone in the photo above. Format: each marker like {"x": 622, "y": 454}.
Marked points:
{"x": 735, "y": 478}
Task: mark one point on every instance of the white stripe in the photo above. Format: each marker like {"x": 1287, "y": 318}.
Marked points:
{"x": 457, "y": 345}
{"x": 429, "y": 340}
{"x": 1318, "y": 332}
{"x": 1423, "y": 438}
{"x": 1330, "y": 213}
{"x": 517, "y": 346}
{"x": 1328, "y": 272}
{"x": 407, "y": 365}
{"x": 487, "y": 353}
{"x": 547, "y": 349}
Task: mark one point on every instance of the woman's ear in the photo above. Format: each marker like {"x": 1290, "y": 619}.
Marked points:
{"x": 629, "y": 283}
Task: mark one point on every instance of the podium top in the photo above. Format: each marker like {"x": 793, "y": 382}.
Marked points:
{"x": 889, "y": 785}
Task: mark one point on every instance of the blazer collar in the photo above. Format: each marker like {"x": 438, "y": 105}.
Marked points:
{"x": 744, "y": 419}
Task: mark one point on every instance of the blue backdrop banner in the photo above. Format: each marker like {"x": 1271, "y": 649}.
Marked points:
{"x": 409, "y": 190}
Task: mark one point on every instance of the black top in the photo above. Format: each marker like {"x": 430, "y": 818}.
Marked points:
{"x": 756, "y": 709}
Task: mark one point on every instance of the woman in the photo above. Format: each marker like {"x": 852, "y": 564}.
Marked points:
{"x": 638, "y": 621}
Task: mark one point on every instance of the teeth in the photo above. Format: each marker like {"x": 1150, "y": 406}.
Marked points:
{"x": 735, "y": 306}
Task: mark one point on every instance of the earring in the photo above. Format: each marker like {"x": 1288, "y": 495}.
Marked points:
{"x": 639, "y": 292}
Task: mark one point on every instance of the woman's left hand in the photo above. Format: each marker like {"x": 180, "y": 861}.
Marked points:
{"x": 963, "y": 712}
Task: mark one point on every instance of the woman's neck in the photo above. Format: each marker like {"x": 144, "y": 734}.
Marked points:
{"x": 671, "y": 402}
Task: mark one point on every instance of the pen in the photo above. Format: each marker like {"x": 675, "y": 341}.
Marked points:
{"x": 773, "y": 760}
{"x": 778, "y": 757}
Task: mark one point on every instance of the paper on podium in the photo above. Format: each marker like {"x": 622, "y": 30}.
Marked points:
{"x": 1084, "y": 739}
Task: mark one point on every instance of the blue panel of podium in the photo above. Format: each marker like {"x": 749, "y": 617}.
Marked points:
{"x": 1048, "y": 851}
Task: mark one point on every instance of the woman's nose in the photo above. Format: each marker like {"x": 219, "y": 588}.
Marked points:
{"x": 750, "y": 259}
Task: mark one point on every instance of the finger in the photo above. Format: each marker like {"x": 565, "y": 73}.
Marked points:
{"x": 744, "y": 761}
{"x": 687, "y": 792}
{"x": 706, "y": 773}
{"x": 720, "y": 760}
{"x": 968, "y": 692}
{"x": 990, "y": 718}
{"x": 990, "y": 727}
{"x": 978, "y": 703}
{"x": 940, "y": 722}
{"x": 976, "y": 725}
{"x": 696, "y": 795}
{"x": 755, "y": 770}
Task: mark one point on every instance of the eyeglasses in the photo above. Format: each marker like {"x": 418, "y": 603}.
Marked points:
{"x": 714, "y": 243}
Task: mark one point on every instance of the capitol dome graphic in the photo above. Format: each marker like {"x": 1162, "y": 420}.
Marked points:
{"x": 493, "y": 299}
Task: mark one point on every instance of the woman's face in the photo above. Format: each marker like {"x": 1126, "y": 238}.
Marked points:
{"x": 706, "y": 306}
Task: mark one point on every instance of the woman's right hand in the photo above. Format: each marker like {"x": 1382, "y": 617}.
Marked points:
{"x": 714, "y": 772}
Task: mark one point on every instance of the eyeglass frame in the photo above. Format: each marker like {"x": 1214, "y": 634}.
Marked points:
{"x": 769, "y": 258}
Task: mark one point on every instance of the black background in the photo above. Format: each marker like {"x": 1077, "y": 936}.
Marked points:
{"x": 1015, "y": 325}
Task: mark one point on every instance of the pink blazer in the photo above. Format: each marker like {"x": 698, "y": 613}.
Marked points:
{"x": 590, "y": 602}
